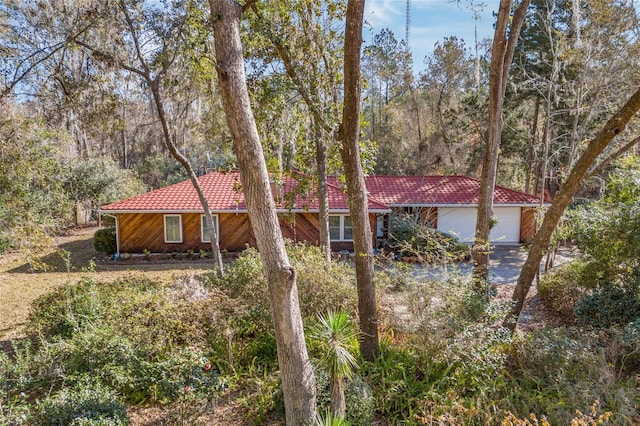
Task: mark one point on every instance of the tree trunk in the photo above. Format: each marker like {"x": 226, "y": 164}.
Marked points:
{"x": 540, "y": 243}
{"x": 157, "y": 98}
{"x": 349, "y": 135}
{"x": 298, "y": 381}
{"x": 323, "y": 196}
{"x": 338, "y": 403}
{"x": 504, "y": 43}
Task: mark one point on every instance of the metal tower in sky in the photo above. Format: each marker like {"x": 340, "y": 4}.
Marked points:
{"x": 407, "y": 28}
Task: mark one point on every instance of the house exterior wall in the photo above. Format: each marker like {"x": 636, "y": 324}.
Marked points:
{"x": 527, "y": 224}
{"x": 145, "y": 231}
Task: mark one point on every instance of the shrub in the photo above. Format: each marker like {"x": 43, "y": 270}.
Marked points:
{"x": 87, "y": 403}
{"x": 5, "y": 243}
{"x": 320, "y": 287}
{"x": 65, "y": 310}
{"x": 563, "y": 287}
{"x": 143, "y": 339}
{"x": 104, "y": 240}
{"x": 408, "y": 237}
{"x": 607, "y": 306}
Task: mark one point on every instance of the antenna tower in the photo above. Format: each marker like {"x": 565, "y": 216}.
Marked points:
{"x": 407, "y": 27}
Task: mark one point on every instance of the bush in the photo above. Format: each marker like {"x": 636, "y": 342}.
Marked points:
{"x": 143, "y": 339}
{"x": 563, "y": 287}
{"x": 320, "y": 287}
{"x": 408, "y": 237}
{"x": 88, "y": 403}
{"x": 5, "y": 243}
{"x": 105, "y": 241}
{"x": 608, "y": 306}
{"x": 65, "y": 310}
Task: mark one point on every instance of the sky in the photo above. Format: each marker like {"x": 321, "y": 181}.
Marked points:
{"x": 431, "y": 21}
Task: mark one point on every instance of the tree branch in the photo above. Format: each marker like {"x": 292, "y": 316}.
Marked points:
{"x": 604, "y": 163}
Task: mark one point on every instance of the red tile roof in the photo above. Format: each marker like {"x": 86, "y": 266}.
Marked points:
{"x": 224, "y": 193}
{"x": 439, "y": 191}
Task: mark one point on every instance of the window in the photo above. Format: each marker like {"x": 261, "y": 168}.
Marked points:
{"x": 340, "y": 228}
{"x": 204, "y": 237}
{"x": 172, "y": 228}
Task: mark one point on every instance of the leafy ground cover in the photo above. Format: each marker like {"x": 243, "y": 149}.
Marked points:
{"x": 149, "y": 342}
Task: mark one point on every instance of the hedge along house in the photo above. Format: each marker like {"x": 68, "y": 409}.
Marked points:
{"x": 450, "y": 204}
{"x": 171, "y": 219}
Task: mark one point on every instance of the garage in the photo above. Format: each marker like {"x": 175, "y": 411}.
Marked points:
{"x": 461, "y": 222}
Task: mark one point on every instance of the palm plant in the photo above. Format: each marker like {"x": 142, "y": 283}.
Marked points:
{"x": 337, "y": 338}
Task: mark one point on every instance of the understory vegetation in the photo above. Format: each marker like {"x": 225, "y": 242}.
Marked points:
{"x": 98, "y": 350}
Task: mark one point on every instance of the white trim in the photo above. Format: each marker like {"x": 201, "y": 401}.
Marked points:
{"x": 203, "y": 220}
{"x": 462, "y": 206}
{"x": 165, "y": 228}
{"x": 234, "y": 211}
{"x": 342, "y": 227}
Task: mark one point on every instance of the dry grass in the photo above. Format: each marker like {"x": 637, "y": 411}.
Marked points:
{"x": 19, "y": 286}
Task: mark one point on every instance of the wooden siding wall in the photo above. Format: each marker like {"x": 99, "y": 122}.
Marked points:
{"x": 527, "y": 224}
{"x": 429, "y": 216}
{"x": 145, "y": 231}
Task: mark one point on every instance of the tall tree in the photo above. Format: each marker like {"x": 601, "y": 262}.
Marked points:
{"x": 349, "y": 135}
{"x": 153, "y": 66}
{"x": 614, "y": 127}
{"x": 504, "y": 43}
{"x": 310, "y": 57}
{"x": 298, "y": 381}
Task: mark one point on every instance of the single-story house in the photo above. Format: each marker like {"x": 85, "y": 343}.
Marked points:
{"x": 171, "y": 219}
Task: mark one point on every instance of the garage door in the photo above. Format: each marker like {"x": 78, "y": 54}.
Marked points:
{"x": 508, "y": 228}
{"x": 462, "y": 223}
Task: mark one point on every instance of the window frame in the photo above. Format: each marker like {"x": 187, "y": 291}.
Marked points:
{"x": 341, "y": 227}
{"x": 204, "y": 238}
{"x": 166, "y": 239}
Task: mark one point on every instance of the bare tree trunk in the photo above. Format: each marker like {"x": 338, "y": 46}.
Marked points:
{"x": 532, "y": 143}
{"x": 323, "y": 196}
{"x": 349, "y": 135}
{"x": 298, "y": 381}
{"x": 215, "y": 247}
{"x": 540, "y": 244}
{"x": 504, "y": 43}
{"x": 338, "y": 403}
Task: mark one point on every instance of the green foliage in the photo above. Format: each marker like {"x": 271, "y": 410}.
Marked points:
{"x": 32, "y": 198}
{"x": 359, "y": 398}
{"x": 557, "y": 372}
{"x": 249, "y": 320}
{"x": 609, "y": 305}
{"x": 100, "y": 181}
{"x": 336, "y": 338}
{"x": 607, "y": 232}
{"x": 565, "y": 285}
{"x": 88, "y": 403}
{"x": 140, "y": 338}
{"x": 105, "y": 240}
{"x": 409, "y": 237}
{"x": 5, "y": 244}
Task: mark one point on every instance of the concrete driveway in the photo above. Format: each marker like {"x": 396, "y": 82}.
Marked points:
{"x": 505, "y": 263}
